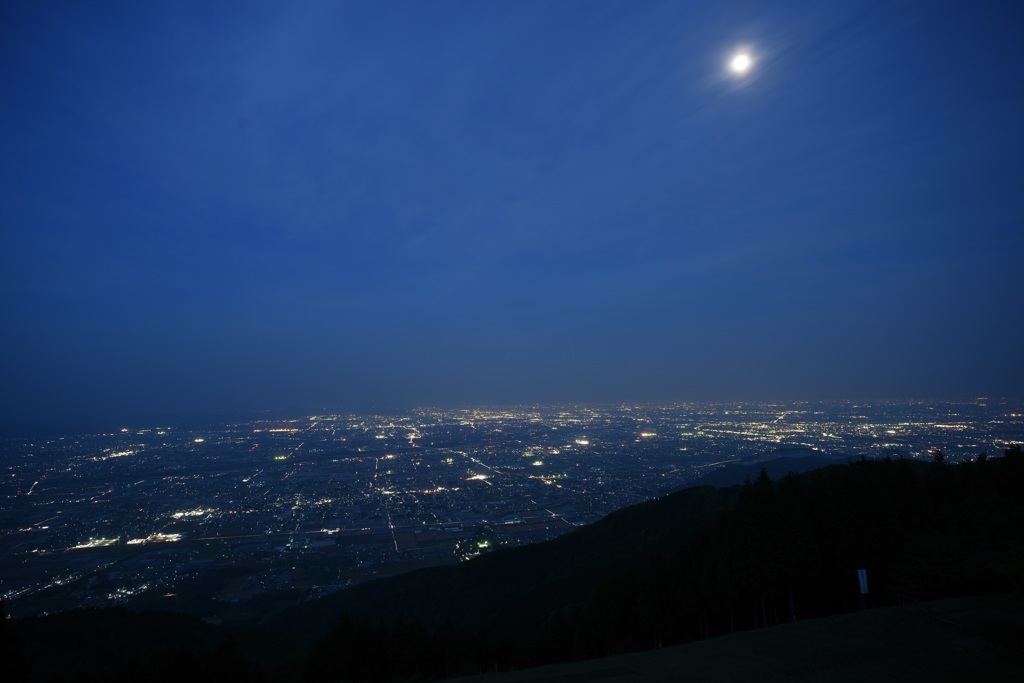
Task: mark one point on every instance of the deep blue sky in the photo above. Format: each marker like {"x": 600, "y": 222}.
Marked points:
{"x": 235, "y": 206}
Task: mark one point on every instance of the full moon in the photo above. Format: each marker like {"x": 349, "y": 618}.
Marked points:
{"x": 740, "y": 63}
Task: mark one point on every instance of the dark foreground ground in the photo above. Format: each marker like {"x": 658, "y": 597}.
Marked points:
{"x": 966, "y": 639}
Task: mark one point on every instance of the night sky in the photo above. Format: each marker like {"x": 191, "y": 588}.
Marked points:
{"x": 226, "y": 206}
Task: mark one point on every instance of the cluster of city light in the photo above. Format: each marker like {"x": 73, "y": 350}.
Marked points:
{"x": 96, "y": 543}
{"x": 126, "y": 592}
{"x": 509, "y": 450}
{"x": 116, "y": 454}
{"x": 198, "y": 512}
{"x": 156, "y": 538}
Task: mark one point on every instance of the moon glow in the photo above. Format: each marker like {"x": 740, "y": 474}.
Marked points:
{"x": 740, "y": 64}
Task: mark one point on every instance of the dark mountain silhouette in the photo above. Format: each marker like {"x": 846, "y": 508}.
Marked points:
{"x": 705, "y": 562}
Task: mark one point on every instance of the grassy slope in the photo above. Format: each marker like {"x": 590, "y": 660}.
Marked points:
{"x": 885, "y": 644}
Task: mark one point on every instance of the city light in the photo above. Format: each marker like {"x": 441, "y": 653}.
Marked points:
{"x": 96, "y": 543}
{"x": 350, "y": 496}
{"x": 156, "y": 538}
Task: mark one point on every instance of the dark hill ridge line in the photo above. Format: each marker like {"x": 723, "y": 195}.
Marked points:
{"x": 778, "y": 464}
{"x": 491, "y": 589}
{"x": 706, "y": 561}
{"x": 554, "y": 575}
